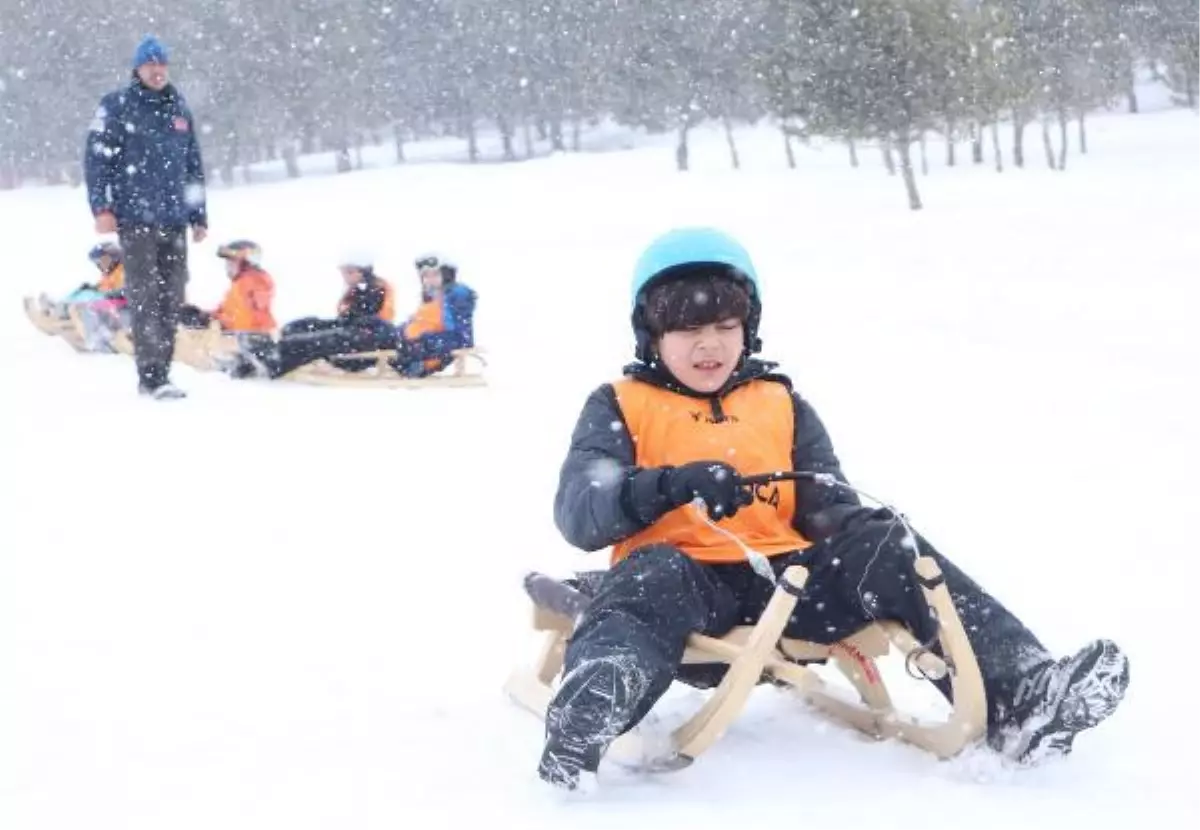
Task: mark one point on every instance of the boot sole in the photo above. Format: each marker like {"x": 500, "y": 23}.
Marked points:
{"x": 1092, "y": 692}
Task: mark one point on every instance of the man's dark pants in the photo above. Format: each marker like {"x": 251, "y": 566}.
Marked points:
{"x": 155, "y": 282}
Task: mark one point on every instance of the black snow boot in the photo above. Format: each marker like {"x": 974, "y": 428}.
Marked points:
{"x": 593, "y": 705}
{"x": 1059, "y": 699}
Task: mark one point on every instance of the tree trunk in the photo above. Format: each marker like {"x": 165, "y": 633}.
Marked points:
{"x": 1189, "y": 87}
{"x": 541, "y": 129}
{"x": 342, "y": 160}
{"x": 910, "y": 180}
{"x": 527, "y": 137}
{"x": 787, "y": 148}
{"x": 853, "y": 152}
{"x": 272, "y": 151}
{"x": 290, "y": 163}
{"x": 576, "y": 135}
{"x": 681, "y": 149}
{"x": 556, "y": 135}
{"x": 1062, "y": 136}
{"x": 1082, "y": 134}
{"x": 1048, "y": 144}
{"x": 885, "y": 147}
{"x": 232, "y": 157}
{"x": 506, "y": 137}
{"x": 308, "y": 139}
{"x": 950, "y": 149}
{"x": 995, "y": 128}
{"x": 1018, "y": 139}
{"x": 924, "y": 156}
{"x": 733, "y": 153}
{"x": 1131, "y": 90}
{"x": 472, "y": 142}
{"x": 977, "y": 143}
{"x": 398, "y": 139}
{"x": 358, "y": 151}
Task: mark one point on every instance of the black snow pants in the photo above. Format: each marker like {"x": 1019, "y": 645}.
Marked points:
{"x": 303, "y": 341}
{"x": 156, "y": 277}
{"x": 647, "y": 605}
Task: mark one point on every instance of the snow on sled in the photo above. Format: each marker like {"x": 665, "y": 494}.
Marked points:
{"x": 53, "y": 325}
{"x": 759, "y": 653}
{"x": 465, "y": 369}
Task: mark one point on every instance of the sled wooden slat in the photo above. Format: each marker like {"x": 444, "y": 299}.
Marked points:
{"x": 753, "y": 652}
{"x": 53, "y": 326}
{"x": 382, "y": 375}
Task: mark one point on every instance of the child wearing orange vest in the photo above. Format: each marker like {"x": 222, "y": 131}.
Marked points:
{"x": 246, "y": 306}
{"x": 102, "y": 306}
{"x": 653, "y": 471}
{"x": 442, "y": 323}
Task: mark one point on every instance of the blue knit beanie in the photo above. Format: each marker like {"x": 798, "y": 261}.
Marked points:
{"x": 150, "y": 50}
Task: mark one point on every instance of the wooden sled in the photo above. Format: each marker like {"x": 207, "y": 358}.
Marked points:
{"x": 465, "y": 370}
{"x": 202, "y": 349}
{"x": 53, "y": 326}
{"x": 759, "y": 653}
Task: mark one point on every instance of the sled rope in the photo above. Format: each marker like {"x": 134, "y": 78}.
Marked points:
{"x": 761, "y": 563}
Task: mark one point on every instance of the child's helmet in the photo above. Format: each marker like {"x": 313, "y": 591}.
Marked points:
{"x": 359, "y": 257}
{"x": 449, "y": 269}
{"x": 109, "y": 249}
{"x": 682, "y": 251}
{"x": 242, "y": 251}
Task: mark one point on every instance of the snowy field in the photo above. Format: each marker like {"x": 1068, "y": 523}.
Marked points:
{"x": 275, "y": 607}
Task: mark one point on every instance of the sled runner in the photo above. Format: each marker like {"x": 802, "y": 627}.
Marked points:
{"x": 51, "y": 325}
{"x": 759, "y": 653}
{"x": 464, "y": 370}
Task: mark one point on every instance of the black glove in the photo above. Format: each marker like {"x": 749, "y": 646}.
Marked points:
{"x": 715, "y": 482}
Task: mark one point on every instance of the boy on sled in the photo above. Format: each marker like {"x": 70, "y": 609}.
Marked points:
{"x": 692, "y": 414}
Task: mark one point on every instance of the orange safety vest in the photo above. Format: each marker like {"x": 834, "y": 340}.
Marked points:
{"x": 388, "y": 310}
{"x": 114, "y": 280}
{"x": 427, "y": 319}
{"x": 247, "y": 303}
{"x": 755, "y": 436}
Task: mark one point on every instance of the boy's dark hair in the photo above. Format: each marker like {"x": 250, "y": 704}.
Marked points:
{"x": 695, "y": 298}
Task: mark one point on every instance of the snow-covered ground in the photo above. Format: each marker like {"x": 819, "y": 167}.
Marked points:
{"x": 274, "y": 606}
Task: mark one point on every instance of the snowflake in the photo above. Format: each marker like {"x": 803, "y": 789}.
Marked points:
{"x": 193, "y": 195}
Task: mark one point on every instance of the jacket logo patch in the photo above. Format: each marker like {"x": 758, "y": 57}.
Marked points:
{"x": 180, "y": 124}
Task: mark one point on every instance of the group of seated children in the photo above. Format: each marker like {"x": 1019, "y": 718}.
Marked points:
{"x": 424, "y": 343}
{"x": 365, "y": 322}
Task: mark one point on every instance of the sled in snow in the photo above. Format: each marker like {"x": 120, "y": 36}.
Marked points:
{"x": 465, "y": 369}
{"x": 203, "y": 349}
{"x": 52, "y": 325}
{"x": 759, "y": 653}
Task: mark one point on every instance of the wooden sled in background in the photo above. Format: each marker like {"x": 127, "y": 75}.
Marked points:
{"x": 466, "y": 369}
{"x": 760, "y": 653}
{"x": 53, "y": 326}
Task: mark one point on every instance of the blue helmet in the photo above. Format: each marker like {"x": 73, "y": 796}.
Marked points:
{"x": 682, "y": 250}
{"x": 109, "y": 249}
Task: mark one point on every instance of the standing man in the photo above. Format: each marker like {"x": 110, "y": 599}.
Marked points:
{"x": 145, "y": 182}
